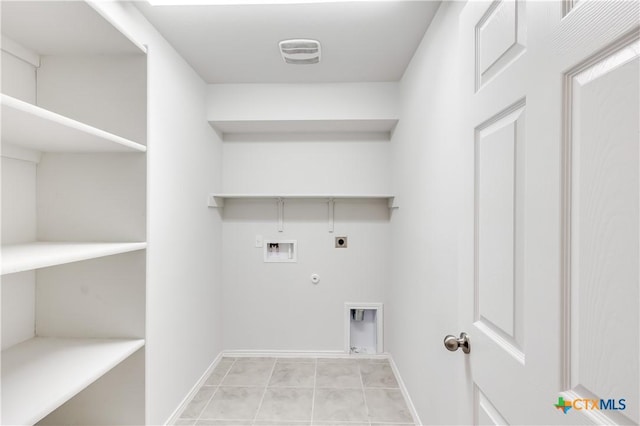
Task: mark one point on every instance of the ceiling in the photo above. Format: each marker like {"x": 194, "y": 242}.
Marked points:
{"x": 362, "y": 41}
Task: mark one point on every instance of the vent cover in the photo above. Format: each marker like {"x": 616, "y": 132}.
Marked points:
{"x": 300, "y": 51}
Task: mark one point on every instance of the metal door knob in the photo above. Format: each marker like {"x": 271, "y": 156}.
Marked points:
{"x": 453, "y": 343}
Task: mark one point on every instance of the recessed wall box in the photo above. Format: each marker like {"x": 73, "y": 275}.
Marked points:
{"x": 280, "y": 250}
{"x": 363, "y": 328}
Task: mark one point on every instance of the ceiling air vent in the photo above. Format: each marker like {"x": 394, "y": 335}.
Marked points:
{"x": 300, "y": 51}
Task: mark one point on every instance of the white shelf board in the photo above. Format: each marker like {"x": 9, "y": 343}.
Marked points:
{"x": 311, "y": 196}
{"x": 29, "y": 126}
{"x": 64, "y": 28}
{"x": 25, "y": 257}
{"x": 42, "y": 373}
{"x": 304, "y": 126}
{"x": 217, "y": 199}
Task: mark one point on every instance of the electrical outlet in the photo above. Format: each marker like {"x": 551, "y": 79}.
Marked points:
{"x": 341, "y": 242}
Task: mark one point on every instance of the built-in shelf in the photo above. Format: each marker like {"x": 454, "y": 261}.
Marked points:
{"x": 218, "y": 199}
{"x": 25, "y": 257}
{"x": 42, "y": 373}
{"x": 29, "y": 126}
{"x": 380, "y": 126}
{"x": 73, "y": 129}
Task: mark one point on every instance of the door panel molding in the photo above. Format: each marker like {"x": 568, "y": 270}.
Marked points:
{"x": 568, "y": 6}
{"x": 499, "y": 337}
{"x": 500, "y": 39}
{"x": 502, "y": 226}
{"x": 484, "y": 412}
{"x": 581, "y": 85}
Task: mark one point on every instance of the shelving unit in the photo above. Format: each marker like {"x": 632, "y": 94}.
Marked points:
{"x": 74, "y": 217}
{"x": 41, "y": 374}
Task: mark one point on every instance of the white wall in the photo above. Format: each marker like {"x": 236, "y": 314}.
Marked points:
{"x": 18, "y": 78}
{"x": 307, "y": 166}
{"x": 96, "y": 207}
{"x": 184, "y": 333}
{"x": 18, "y": 308}
{"x": 112, "y": 83}
{"x": 302, "y": 101}
{"x": 274, "y": 306}
{"x": 18, "y": 215}
{"x": 423, "y": 296}
{"x": 19, "y": 201}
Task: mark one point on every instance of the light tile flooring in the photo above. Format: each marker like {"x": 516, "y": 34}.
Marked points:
{"x": 299, "y": 391}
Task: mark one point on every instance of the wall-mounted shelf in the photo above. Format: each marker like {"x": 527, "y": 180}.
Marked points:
{"x": 42, "y": 373}
{"x": 217, "y": 200}
{"x": 29, "y": 126}
{"x": 380, "y": 126}
{"x": 25, "y": 257}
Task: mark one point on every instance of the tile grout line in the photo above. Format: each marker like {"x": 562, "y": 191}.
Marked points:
{"x": 313, "y": 395}
{"x": 273, "y": 387}
{"x": 266, "y": 386}
{"x": 214, "y": 392}
{"x": 364, "y": 395}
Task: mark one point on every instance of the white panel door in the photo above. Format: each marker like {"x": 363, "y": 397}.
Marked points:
{"x": 550, "y": 238}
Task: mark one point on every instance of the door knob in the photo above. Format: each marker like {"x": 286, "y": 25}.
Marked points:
{"x": 453, "y": 343}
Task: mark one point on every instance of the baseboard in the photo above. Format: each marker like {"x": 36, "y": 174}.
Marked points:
{"x": 185, "y": 401}
{"x": 300, "y": 354}
{"x": 405, "y": 392}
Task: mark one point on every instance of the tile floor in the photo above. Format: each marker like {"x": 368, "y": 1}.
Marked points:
{"x": 298, "y": 391}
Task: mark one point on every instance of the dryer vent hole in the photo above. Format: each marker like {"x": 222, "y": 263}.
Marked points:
{"x": 341, "y": 242}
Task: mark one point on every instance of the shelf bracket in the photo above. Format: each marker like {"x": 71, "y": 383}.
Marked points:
{"x": 332, "y": 205}
{"x": 280, "y": 214}
{"x": 215, "y": 202}
{"x": 392, "y": 202}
